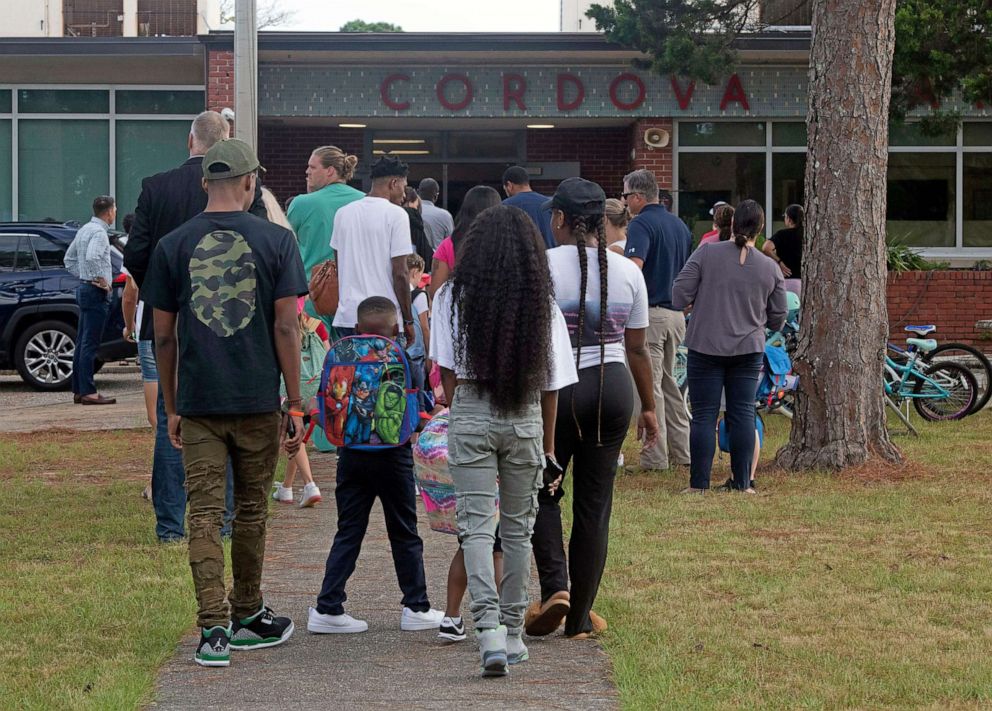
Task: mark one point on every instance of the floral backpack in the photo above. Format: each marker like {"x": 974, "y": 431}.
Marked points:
{"x": 366, "y": 398}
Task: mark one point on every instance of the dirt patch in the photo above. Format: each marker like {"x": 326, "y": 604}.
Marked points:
{"x": 879, "y": 471}
{"x": 59, "y": 455}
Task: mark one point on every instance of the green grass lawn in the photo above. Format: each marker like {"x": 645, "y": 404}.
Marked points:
{"x": 869, "y": 589}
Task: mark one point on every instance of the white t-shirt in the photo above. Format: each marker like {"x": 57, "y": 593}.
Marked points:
{"x": 442, "y": 349}
{"x": 367, "y": 234}
{"x": 626, "y": 305}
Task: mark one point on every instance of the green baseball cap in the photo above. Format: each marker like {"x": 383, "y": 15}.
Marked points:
{"x": 229, "y": 158}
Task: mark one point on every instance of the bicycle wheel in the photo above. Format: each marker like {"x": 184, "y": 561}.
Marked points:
{"x": 958, "y": 396}
{"x": 681, "y": 363}
{"x": 972, "y": 359}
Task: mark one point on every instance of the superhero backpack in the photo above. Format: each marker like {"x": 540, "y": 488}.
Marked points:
{"x": 366, "y": 398}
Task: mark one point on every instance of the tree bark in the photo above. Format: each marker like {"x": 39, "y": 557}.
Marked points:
{"x": 840, "y": 414}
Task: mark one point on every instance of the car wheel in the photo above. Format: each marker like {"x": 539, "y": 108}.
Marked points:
{"x": 43, "y": 355}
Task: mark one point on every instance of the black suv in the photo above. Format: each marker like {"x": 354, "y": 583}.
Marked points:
{"x": 38, "y": 312}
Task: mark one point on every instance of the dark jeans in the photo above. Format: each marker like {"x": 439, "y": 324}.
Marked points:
{"x": 594, "y": 467}
{"x": 169, "y": 484}
{"x": 94, "y": 307}
{"x": 709, "y": 376}
{"x": 363, "y": 476}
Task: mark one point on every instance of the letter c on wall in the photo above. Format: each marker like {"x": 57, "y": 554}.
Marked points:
{"x": 384, "y": 88}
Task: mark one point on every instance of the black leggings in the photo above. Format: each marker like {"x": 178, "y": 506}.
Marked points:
{"x": 594, "y": 467}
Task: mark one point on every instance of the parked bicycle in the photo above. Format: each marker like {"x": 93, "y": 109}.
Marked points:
{"x": 961, "y": 354}
{"x": 942, "y": 390}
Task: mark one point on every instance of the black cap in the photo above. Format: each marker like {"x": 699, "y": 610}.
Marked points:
{"x": 577, "y": 196}
{"x": 388, "y": 167}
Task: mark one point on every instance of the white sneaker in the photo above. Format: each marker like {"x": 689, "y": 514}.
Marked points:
{"x": 311, "y": 496}
{"x": 319, "y": 623}
{"x": 284, "y": 495}
{"x": 413, "y": 621}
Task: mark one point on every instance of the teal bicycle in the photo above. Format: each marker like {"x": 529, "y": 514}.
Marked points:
{"x": 939, "y": 391}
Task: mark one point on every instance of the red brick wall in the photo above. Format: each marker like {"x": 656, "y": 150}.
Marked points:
{"x": 658, "y": 160}
{"x": 220, "y": 80}
{"x": 603, "y": 154}
{"x": 285, "y": 150}
{"x": 952, "y": 300}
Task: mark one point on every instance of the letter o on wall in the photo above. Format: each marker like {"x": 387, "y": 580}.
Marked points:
{"x": 615, "y": 91}
{"x": 442, "y": 89}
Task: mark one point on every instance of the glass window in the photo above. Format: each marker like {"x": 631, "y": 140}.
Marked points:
{"x": 788, "y": 186}
{"x": 790, "y": 133}
{"x": 483, "y": 144}
{"x": 50, "y": 254}
{"x": 921, "y": 199}
{"x": 705, "y": 178}
{"x": 5, "y": 107}
{"x": 63, "y": 101}
{"x": 15, "y": 254}
{"x": 6, "y": 171}
{"x": 145, "y": 148}
{"x": 159, "y": 102}
{"x": 978, "y": 134}
{"x": 721, "y": 133}
{"x": 910, "y": 134}
{"x": 63, "y": 165}
{"x": 977, "y": 200}
{"x": 407, "y": 145}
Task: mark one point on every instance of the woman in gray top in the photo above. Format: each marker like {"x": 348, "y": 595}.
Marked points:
{"x": 735, "y": 292}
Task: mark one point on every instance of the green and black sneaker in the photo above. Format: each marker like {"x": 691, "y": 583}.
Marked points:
{"x": 215, "y": 647}
{"x": 263, "y": 629}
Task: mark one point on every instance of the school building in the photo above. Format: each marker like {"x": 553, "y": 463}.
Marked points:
{"x": 80, "y": 116}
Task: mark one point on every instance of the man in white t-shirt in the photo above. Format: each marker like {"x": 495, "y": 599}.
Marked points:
{"x": 371, "y": 239}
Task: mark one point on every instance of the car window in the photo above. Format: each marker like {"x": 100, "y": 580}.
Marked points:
{"x": 50, "y": 253}
{"x": 15, "y": 254}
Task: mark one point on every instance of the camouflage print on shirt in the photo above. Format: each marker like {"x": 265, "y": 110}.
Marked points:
{"x": 222, "y": 281}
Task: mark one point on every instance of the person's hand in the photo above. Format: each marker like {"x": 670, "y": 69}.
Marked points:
{"x": 409, "y": 334}
{"x": 647, "y": 428}
{"x": 129, "y": 334}
{"x": 102, "y": 283}
{"x": 553, "y": 473}
{"x": 786, "y": 272}
{"x": 292, "y": 434}
{"x": 175, "y": 431}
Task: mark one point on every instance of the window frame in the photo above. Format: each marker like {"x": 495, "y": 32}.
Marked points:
{"x": 111, "y": 116}
{"x": 23, "y": 238}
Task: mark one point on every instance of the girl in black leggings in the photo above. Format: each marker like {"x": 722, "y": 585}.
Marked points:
{"x": 607, "y": 313}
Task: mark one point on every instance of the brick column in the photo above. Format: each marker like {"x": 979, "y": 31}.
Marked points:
{"x": 658, "y": 160}
{"x": 220, "y": 80}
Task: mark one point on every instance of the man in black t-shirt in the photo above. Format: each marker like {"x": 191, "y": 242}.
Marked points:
{"x": 224, "y": 287}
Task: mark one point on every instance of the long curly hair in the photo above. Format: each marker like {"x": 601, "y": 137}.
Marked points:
{"x": 582, "y": 228}
{"x": 502, "y": 296}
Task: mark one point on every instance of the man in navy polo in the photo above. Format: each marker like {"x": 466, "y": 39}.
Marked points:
{"x": 659, "y": 243}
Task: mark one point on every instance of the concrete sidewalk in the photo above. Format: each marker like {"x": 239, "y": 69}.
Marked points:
{"x": 383, "y": 668}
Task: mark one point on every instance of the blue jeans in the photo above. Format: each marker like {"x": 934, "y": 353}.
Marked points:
{"x": 709, "y": 376}
{"x": 169, "y": 485}
{"x": 146, "y": 359}
{"x": 94, "y": 307}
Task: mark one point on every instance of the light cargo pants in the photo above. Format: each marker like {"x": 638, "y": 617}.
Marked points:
{"x": 666, "y": 331}
{"x": 489, "y": 452}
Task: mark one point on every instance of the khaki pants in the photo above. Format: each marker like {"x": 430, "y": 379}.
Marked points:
{"x": 252, "y": 442}
{"x": 666, "y": 331}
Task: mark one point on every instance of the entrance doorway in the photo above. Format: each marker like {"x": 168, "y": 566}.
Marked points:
{"x": 456, "y": 179}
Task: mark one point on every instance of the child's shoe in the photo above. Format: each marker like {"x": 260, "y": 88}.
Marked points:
{"x": 311, "y": 495}
{"x": 412, "y": 621}
{"x": 492, "y": 650}
{"x": 452, "y": 629}
{"x": 283, "y": 494}
{"x": 516, "y": 650}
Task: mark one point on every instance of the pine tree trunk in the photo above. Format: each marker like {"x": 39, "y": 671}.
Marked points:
{"x": 840, "y": 411}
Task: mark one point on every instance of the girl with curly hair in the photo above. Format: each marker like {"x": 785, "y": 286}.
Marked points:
{"x": 502, "y": 345}
{"x": 604, "y": 299}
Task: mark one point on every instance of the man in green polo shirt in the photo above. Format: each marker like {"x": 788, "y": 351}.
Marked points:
{"x": 312, "y": 215}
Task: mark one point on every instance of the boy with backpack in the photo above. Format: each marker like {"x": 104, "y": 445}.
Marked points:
{"x": 368, "y": 471}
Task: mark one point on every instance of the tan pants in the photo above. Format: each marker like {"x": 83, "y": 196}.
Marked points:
{"x": 666, "y": 331}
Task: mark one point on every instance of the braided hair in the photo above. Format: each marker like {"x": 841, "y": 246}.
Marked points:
{"x": 581, "y": 228}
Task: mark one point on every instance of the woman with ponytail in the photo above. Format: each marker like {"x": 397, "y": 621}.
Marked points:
{"x": 735, "y": 292}
{"x": 604, "y": 300}
{"x": 786, "y": 247}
